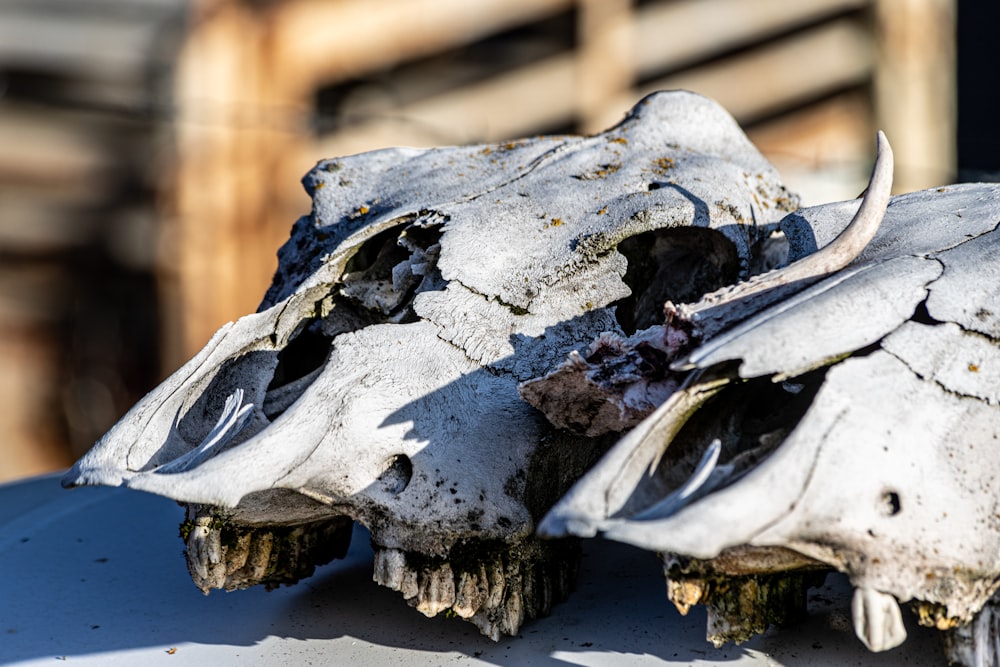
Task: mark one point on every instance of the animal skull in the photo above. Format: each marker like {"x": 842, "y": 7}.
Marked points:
{"x": 378, "y": 381}
{"x": 845, "y": 418}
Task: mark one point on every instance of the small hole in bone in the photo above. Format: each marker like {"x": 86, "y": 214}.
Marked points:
{"x": 397, "y": 474}
{"x": 678, "y": 265}
{"x": 890, "y": 503}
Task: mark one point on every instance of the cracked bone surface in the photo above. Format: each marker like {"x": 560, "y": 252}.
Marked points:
{"x": 378, "y": 381}
{"x": 857, "y": 424}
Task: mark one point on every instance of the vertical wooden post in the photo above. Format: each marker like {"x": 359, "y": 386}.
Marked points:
{"x": 915, "y": 96}
{"x": 606, "y": 64}
{"x": 229, "y": 135}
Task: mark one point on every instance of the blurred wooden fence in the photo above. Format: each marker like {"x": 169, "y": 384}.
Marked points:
{"x": 210, "y": 111}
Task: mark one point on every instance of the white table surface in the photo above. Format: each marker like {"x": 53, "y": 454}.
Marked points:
{"x": 97, "y": 577}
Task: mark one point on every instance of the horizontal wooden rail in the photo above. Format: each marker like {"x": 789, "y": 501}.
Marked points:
{"x": 784, "y": 73}
{"x": 317, "y": 41}
{"x": 672, "y": 34}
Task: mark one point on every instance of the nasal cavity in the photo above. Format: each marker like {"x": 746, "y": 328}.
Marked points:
{"x": 397, "y": 474}
{"x": 298, "y": 365}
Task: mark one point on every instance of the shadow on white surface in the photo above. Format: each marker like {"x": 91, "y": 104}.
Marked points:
{"x": 97, "y": 576}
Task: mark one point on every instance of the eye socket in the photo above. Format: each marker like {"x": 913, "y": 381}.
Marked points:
{"x": 680, "y": 265}
{"x": 889, "y": 503}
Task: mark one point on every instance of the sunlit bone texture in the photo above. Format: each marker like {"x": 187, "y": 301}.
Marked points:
{"x": 378, "y": 381}
{"x": 849, "y": 422}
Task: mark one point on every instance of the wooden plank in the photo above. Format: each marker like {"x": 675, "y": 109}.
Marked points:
{"x": 51, "y": 147}
{"x": 838, "y": 130}
{"x": 781, "y": 74}
{"x": 317, "y": 41}
{"x": 90, "y": 44}
{"x": 222, "y": 190}
{"x": 33, "y": 224}
{"x": 824, "y": 152}
{"x": 544, "y": 95}
{"x": 32, "y": 296}
{"x": 915, "y": 89}
{"x": 606, "y": 63}
{"x": 28, "y": 391}
{"x": 671, "y": 34}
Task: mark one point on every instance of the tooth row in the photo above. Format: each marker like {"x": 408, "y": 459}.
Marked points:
{"x": 497, "y": 592}
{"x": 740, "y": 607}
{"x": 224, "y": 554}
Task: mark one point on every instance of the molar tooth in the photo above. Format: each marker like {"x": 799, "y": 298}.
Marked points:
{"x": 205, "y": 555}
{"x": 513, "y": 612}
{"x": 543, "y": 591}
{"x": 486, "y": 625}
{"x": 260, "y": 556}
{"x": 437, "y": 591}
{"x": 494, "y": 571}
{"x": 470, "y": 593}
{"x": 526, "y": 584}
{"x": 211, "y": 557}
{"x": 392, "y": 572}
{"x": 216, "y": 576}
{"x": 236, "y": 555}
{"x": 685, "y": 593}
{"x": 388, "y": 568}
{"x": 195, "y": 550}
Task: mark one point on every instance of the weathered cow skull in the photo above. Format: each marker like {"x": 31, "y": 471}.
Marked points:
{"x": 842, "y": 419}
{"x": 378, "y": 381}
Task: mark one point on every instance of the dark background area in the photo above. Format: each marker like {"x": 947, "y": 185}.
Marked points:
{"x": 978, "y": 91}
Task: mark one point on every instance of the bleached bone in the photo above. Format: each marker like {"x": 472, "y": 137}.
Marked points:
{"x": 722, "y": 309}
{"x": 860, "y": 418}
{"x": 378, "y": 381}
{"x": 618, "y": 382}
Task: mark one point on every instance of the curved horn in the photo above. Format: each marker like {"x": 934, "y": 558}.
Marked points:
{"x": 852, "y": 240}
{"x": 721, "y": 309}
